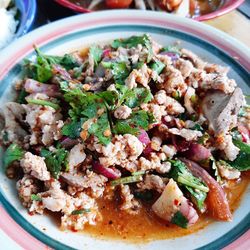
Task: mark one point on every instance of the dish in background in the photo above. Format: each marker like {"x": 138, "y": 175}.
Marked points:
{"x": 82, "y": 30}
{"x": 218, "y": 7}
{"x": 20, "y": 15}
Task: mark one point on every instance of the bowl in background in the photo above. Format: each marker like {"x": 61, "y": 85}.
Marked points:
{"x": 227, "y": 6}
{"x": 27, "y": 10}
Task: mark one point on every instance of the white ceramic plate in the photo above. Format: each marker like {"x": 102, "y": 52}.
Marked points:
{"x": 80, "y": 31}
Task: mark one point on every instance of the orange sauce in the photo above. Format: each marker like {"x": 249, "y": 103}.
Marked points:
{"x": 145, "y": 226}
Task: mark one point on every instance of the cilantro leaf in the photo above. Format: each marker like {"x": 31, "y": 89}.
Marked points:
{"x": 138, "y": 96}
{"x": 157, "y": 66}
{"x": 180, "y": 220}
{"x": 55, "y": 161}
{"x": 13, "y": 153}
{"x": 119, "y": 70}
{"x": 242, "y": 162}
{"x": 99, "y": 127}
{"x": 73, "y": 129}
{"x": 198, "y": 190}
{"x": 133, "y": 41}
{"x": 172, "y": 49}
{"x": 35, "y": 197}
{"x": 132, "y": 125}
{"x": 96, "y": 53}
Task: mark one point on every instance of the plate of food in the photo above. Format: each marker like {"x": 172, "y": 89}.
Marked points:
{"x": 197, "y": 9}
{"x": 16, "y": 18}
{"x": 125, "y": 128}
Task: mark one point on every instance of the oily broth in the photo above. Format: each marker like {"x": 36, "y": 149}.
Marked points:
{"x": 200, "y": 7}
{"x": 145, "y": 226}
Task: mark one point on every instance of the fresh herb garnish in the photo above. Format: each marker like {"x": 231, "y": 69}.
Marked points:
{"x": 180, "y": 220}
{"x": 96, "y": 53}
{"x": 126, "y": 180}
{"x": 35, "y": 197}
{"x": 81, "y": 211}
{"x": 43, "y": 103}
{"x": 13, "y": 153}
{"x": 55, "y": 161}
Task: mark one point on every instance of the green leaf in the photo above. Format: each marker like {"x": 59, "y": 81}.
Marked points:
{"x": 96, "y": 53}
{"x": 81, "y": 211}
{"x": 21, "y": 97}
{"x": 138, "y": 96}
{"x": 35, "y": 197}
{"x": 133, "y": 41}
{"x": 119, "y": 70}
{"x": 110, "y": 97}
{"x": 126, "y": 180}
{"x": 157, "y": 66}
{"x": 172, "y": 49}
{"x": 198, "y": 127}
{"x": 180, "y": 173}
{"x": 242, "y": 162}
{"x": 198, "y": 197}
{"x": 13, "y": 153}
{"x": 55, "y": 161}
{"x": 43, "y": 103}
{"x": 180, "y": 220}
{"x": 99, "y": 127}
{"x": 137, "y": 120}
{"x": 72, "y": 129}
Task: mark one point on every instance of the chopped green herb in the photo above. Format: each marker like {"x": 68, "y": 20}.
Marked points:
{"x": 55, "y": 161}
{"x": 35, "y": 197}
{"x": 198, "y": 127}
{"x": 96, "y": 53}
{"x": 43, "y": 103}
{"x": 172, "y": 49}
{"x": 133, "y": 41}
{"x": 136, "y": 121}
{"x": 119, "y": 70}
{"x": 157, "y": 66}
{"x": 242, "y": 161}
{"x": 13, "y": 153}
{"x": 21, "y": 97}
{"x": 126, "y": 180}
{"x": 180, "y": 220}
{"x": 72, "y": 129}
{"x": 81, "y": 211}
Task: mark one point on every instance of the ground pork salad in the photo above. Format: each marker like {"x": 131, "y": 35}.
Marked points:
{"x": 133, "y": 122}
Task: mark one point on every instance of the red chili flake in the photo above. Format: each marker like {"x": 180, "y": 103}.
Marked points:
{"x": 176, "y": 202}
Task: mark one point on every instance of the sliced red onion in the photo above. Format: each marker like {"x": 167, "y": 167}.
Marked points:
{"x": 172, "y": 55}
{"x": 143, "y": 137}
{"x": 68, "y": 142}
{"x": 180, "y": 143}
{"x": 107, "y": 172}
{"x": 245, "y": 133}
{"x": 32, "y": 86}
{"x": 187, "y": 210}
{"x": 62, "y": 71}
{"x": 216, "y": 199}
{"x": 197, "y": 152}
{"x": 106, "y": 52}
{"x": 148, "y": 149}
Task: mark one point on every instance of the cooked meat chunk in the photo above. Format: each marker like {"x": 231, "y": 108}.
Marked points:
{"x": 76, "y": 157}
{"x": 122, "y": 112}
{"x": 13, "y": 114}
{"x": 227, "y": 172}
{"x": 27, "y": 186}
{"x": 152, "y": 181}
{"x": 198, "y": 63}
{"x": 221, "y": 110}
{"x": 188, "y": 134}
{"x": 35, "y": 166}
{"x": 129, "y": 203}
{"x": 91, "y": 180}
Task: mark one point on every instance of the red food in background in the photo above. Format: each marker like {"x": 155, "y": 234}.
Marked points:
{"x": 116, "y": 4}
